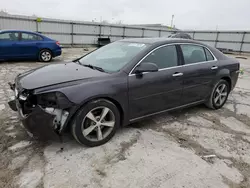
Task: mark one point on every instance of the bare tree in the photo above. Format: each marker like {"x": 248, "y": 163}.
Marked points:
{"x": 119, "y": 22}
{"x": 3, "y": 12}
{"x": 105, "y": 22}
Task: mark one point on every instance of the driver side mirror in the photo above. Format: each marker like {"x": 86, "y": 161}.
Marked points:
{"x": 146, "y": 67}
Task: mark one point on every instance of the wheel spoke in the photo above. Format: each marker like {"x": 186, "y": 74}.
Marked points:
{"x": 216, "y": 99}
{"x": 218, "y": 91}
{"x": 224, "y": 94}
{"x": 104, "y": 113}
{"x": 108, "y": 124}
{"x": 99, "y": 133}
{"x": 88, "y": 130}
{"x": 91, "y": 116}
{"x": 222, "y": 88}
{"x": 220, "y": 100}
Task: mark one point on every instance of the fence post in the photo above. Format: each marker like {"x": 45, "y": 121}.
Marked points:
{"x": 242, "y": 41}
{"x": 193, "y": 34}
{"x": 72, "y": 34}
{"x": 36, "y": 26}
{"x": 142, "y": 33}
{"x": 216, "y": 40}
{"x": 159, "y": 33}
{"x": 123, "y": 33}
{"x": 100, "y": 30}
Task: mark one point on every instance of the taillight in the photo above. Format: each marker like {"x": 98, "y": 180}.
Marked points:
{"x": 57, "y": 43}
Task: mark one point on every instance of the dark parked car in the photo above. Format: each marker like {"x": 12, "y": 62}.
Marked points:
{"x": 16, "y": 44}
{"x": 121, "y": 83}
{"x": 180, "y": 35}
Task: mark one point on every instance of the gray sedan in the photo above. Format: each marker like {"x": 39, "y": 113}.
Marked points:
{"x": 121, "y": 83}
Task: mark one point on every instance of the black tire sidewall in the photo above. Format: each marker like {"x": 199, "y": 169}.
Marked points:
{"x": 76, "y": 126}
{"x": 40, "y": 54}
{"x": 215, "y": 106}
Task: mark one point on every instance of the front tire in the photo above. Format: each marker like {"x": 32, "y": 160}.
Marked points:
{"x": 96, "y": 123}
{"x": 219, "y": 95}
{"x": 45, "y": 55}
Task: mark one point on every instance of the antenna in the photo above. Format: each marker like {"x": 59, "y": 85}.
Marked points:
{"x": 172, "y": 21}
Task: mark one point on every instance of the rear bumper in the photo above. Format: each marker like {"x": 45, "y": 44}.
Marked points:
{"x": 57, "y": 52}
{"x": 234, "y": 79}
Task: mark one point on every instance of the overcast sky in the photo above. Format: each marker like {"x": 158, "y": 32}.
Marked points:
{"x": 189, "y": 14}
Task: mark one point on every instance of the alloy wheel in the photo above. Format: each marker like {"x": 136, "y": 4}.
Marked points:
{"x": 98, "y": 123}
{"x": 46, "y": 56}
{"x": 220, "y": 95}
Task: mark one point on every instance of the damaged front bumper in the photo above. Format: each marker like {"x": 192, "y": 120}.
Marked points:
{"x": 41, "y": 122}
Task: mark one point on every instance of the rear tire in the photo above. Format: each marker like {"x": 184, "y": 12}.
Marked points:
{"x": 219, "y": 95}
{"x": 96, "y": 123}
{"x": 45, "y": 55}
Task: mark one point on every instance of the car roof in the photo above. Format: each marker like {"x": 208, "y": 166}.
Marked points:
{"x": 161, "y": 40}
{"x": 15, "y": 30}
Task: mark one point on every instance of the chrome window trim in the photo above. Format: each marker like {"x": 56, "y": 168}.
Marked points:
{"x": 215, "y": 59}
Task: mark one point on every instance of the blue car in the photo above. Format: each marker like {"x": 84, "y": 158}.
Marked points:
{"x": 16, "y": 44}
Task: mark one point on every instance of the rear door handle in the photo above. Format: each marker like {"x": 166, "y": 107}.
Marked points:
{"x": 177, "y": 74}
{"x": 214, "y": 67}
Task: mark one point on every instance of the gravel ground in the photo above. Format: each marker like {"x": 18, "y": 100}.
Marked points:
{"x": 192, "y": 148}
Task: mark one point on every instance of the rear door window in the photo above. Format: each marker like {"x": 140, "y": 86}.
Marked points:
{"x": 193, "y": 53}
{"x": 209, "y": 55}
{"x": 30, "y": 37}
{"x": 9, "y": 36}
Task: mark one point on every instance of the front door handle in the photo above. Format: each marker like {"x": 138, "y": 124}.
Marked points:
{"x": 177, "y": 74}
{"x": 214, "y": 67}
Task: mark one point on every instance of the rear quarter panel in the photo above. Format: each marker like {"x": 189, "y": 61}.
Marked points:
{"x": 229, "y": 68}
{"x": 49, "y": 44}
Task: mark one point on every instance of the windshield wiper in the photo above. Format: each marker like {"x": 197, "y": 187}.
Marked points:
{"x": 93, "y": 67}
{"x": 77, "y": 61}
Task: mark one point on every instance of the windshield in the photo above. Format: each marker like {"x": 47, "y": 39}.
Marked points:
{"x": 114, "y": 56}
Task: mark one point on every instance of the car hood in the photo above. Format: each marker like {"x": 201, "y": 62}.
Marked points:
{"x": 55, "y": 74}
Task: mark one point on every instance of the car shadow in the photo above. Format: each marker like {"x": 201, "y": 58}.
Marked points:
{"x": 149, "y": 123}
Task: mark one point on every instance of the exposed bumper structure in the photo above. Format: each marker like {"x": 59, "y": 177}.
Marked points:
{"x": 39, "y": 124}
{"x": 45, "y": 123}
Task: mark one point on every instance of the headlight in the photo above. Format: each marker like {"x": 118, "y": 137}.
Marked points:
{"x": 16, "y": 92}
{"x": 23, "y": 97}
{"x": 53, "y": 99}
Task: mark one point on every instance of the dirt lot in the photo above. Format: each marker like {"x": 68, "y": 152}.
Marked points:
{"x": 192, "y": 148}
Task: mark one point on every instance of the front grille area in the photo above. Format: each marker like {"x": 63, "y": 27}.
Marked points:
{"x": 18, "y": 85}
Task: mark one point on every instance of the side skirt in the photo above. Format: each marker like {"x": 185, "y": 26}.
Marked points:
{"x": 171, "y": 109}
